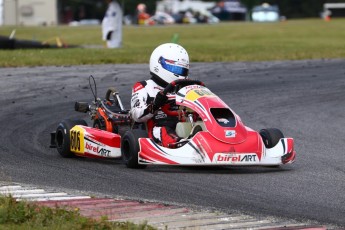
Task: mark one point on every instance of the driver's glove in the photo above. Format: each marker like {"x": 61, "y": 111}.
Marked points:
{"x": 159, "y": 101}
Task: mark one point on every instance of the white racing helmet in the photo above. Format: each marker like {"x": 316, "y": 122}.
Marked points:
{"x": 169, "y": 62}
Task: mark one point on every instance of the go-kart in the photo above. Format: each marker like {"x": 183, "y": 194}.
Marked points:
{"x": 213, "y": 134}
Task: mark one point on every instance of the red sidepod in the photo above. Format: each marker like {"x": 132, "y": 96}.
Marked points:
{"x": 100, "y": 144}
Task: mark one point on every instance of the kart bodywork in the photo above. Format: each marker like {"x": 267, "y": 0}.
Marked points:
{"x": 222, "y": 138}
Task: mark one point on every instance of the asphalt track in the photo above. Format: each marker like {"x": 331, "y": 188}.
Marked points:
{"x": 305, "y": 99}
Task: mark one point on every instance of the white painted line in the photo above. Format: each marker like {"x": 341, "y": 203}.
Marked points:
{"x": 9, "y": 187}
{"x": 62, "y": 198}
{"x": 40, "y": 195}
{"x": 68, "y": 198}
{"x": 16, "y": 192}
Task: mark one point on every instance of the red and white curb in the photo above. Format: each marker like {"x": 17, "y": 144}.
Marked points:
{"x": 155, "y": 214}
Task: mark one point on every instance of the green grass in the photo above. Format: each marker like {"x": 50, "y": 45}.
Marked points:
{"x": 236, "y": 41}
{"x": 29, "y": 216}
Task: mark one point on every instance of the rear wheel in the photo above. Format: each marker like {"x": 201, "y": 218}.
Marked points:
{"x": 271, "y": 136}
{"x": 62, "y": 136}
{"x": 122, "y": 129}
{"x": 130, "y": 147}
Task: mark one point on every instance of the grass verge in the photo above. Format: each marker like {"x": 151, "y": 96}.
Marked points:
{"x": 234, "y": 41}
{"x": 25, "y": 215}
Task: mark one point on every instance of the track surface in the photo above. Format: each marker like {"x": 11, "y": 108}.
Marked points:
{"x": 305, "y": 99}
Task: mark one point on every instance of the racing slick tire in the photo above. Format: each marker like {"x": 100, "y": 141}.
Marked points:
{"x": 62, "y": 136}
{"x": 271, "y": 136}
{"x": 130, "y": 147}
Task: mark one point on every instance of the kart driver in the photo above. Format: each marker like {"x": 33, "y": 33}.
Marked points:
{"x": 168, "y": 62}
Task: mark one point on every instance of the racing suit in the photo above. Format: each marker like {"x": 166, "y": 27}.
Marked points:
{"x": 161, "y": 127}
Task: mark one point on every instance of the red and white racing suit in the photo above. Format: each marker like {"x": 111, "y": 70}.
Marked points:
{"x": 161, "y": 127}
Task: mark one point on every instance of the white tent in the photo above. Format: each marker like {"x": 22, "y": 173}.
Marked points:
{"x": 1, "y": 15}
{"x": 175, "y": 6}
{"x": 333, "y": 10}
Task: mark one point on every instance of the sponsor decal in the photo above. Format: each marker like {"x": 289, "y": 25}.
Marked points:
{"x": 160, "y": 115}
{"x": 98, "y": 150}
{"x": 137, "y": 86}
{"x": 135, "y": 97}
{"x": 230, "y": 133}
{"x": 77, "y": 139}
{"x": 136, "y": 103}
{"x": 170, "y": 61}
{"x": 104, "y": 152}
{"x": 193, "y": 86}
{"x": 190, "y": 87}
{"x": 223, "y": 120}
{"x": 234, "y": 158}
{"x": 183, "y": 63}
{"x": 203, "y": 92}
{"x": 195, "y": 94}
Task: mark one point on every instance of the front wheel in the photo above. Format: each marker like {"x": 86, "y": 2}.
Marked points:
{"x": 271, "y": 136}
{"x": 130, "y": 147}
{"x": 62, "y": 136}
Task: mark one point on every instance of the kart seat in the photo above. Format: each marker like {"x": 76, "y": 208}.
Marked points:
{"x": 114, "y": 108}
{"x": 184, "y": 129}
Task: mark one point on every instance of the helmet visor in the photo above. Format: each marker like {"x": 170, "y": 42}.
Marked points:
{"x": 170, "y": 66}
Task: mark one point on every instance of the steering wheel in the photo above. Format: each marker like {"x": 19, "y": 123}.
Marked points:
{"x": 172, "y": 86}
{"x": 181, "y": 83}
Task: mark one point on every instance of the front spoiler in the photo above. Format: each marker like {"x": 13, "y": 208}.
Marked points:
{"x": 193, "y": 154}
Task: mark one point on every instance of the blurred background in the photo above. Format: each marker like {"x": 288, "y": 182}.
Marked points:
{"x": 150, "y": 12}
